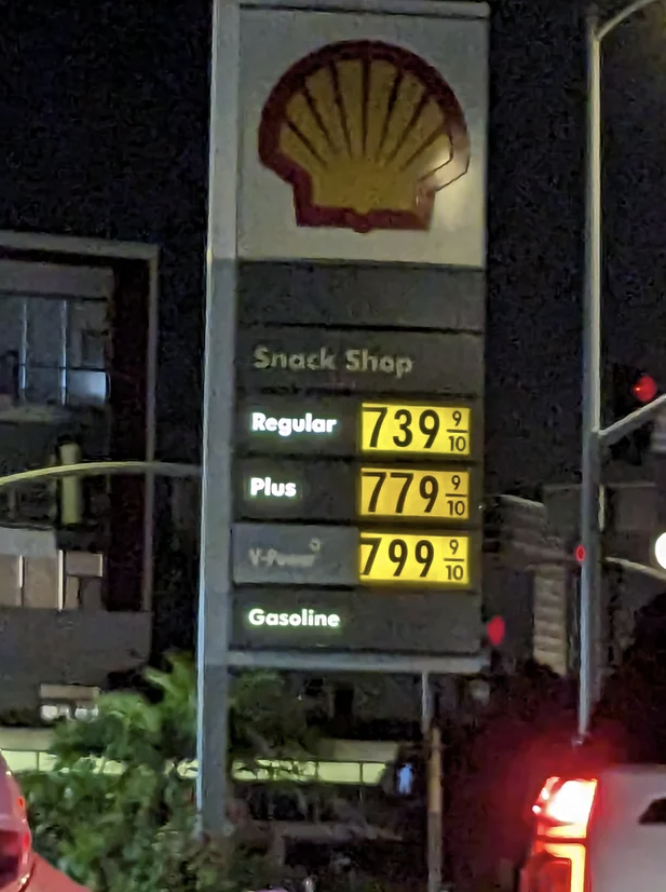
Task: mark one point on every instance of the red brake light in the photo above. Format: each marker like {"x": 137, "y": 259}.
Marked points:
{"x": 566, "y": 802}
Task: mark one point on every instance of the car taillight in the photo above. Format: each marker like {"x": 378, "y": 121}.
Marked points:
{"x": 565, "y": 804}
{"x": 558, "y": 857}
{"x": 547, "y": 873}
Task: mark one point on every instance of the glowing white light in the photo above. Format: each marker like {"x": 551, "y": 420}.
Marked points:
{"x": 660, "y": 550}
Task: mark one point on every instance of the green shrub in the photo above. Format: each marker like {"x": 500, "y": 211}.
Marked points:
{"x": 134, "y": 830}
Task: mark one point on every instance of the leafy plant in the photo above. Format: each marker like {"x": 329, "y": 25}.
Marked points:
{"x": 132, "y": 827}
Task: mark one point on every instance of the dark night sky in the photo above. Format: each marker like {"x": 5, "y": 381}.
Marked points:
{"x": 104, "y": 111}
{"x": 536, "y": 225}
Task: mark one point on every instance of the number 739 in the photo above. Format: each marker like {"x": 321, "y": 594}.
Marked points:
{"x": 428, "y": 430}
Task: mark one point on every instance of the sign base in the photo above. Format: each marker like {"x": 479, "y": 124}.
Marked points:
{"x": 331, "y": 661}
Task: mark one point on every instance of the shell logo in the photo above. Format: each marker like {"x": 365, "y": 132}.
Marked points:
{"x": 366, "y": 134}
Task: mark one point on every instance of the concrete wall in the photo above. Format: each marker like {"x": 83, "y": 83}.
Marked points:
{"x": 67, "y": 647}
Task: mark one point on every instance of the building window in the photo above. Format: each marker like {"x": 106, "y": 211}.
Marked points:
{"x": 93, "y": 349}
{"x": 28, "y": 505}
{"x": 53, "y": 350}
{"x": 87, "y": 346}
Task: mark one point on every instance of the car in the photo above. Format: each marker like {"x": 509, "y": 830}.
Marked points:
{"x": 21, "y": 869}
{"x": 602, "y": 832}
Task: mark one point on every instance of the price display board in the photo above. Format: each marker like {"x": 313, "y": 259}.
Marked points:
{"x": 419, "y": 494}
{"x": 409, "y": 558}
{"x": 349, "y": 427}
{"x": 427, "y": 430}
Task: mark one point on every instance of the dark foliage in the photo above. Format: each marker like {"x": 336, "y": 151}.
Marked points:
{"x": 133, "y": 826}
{"x": 497, "y": 767}
{"x": 632, "y": 714}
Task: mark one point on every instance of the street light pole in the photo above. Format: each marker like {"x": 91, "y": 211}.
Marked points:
{"x": 594, "y": 437}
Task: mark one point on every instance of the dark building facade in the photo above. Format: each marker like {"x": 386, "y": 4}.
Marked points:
{"x": 77, "y": 352}
{"x": 102, "y": 211}
{"x": 106, "y": 110}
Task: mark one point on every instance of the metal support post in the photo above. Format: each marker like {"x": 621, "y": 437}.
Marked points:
{"x": 590, "y": 464}
{"x": 219, "y": 406}
{"x": 433, "y": 737}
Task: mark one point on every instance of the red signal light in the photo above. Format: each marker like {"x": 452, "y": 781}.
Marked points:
{"x": 580, "y": 553}
{"x": 645, "y": 389}
{"x": 495, "y": 631}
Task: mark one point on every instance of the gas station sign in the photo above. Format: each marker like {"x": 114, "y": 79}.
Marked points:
{"x": 365, "y": 361}
{"x": 294, "y": 554}
{"x": 397, "y": 621}
{"x": 358, "y": 273}
{"x": 319, "y": 555}
{"x": 345, "y": 344}
{"x": 365, "y": 494}
{"x": 444, "y": 494}
{"x": 351, "y": 426}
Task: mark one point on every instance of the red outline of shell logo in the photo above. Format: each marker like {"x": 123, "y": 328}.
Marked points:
{"x": 366, "y": 134}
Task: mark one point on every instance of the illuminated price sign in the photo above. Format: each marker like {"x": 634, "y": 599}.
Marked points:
{"x": 435, "y": 430}
{"x": 411, "y": 558}
{"x": 392, "y": 492}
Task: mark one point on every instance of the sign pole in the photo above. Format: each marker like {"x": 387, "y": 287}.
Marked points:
{"x": 432, "y": 736}
{"x": 219, "y": 404}
{"x": 349, "y": 473}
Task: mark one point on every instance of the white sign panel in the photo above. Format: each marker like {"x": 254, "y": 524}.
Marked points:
{"x": 362, "y": 137}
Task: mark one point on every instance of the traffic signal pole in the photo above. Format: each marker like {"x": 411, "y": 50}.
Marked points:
{"x": 590, "y": 520}
{"x": 594, "y": 438}
{"x": 632, "y": 422}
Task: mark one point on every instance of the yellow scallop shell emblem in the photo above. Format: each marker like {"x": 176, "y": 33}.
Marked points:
{"x": 366, "y": 134}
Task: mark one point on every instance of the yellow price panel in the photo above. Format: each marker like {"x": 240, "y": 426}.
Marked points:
{"x": 395, "y": 492}
{"x": 434, "y": 430}
{"x": 409, "y": 558}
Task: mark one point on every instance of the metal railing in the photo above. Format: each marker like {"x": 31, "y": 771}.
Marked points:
{"x": 320, "y": 792}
